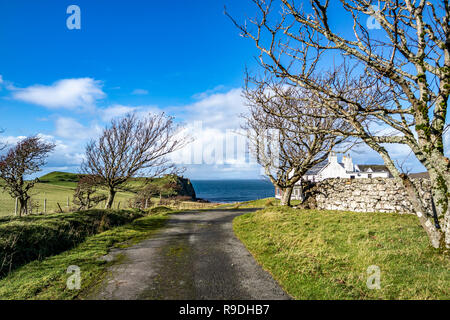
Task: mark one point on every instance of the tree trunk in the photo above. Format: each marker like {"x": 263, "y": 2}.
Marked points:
{"x": 440, "y": 192}
{"x": 23, "y": 202}
{"x": 286, "y": 197}
{"x": 110, "y": 201}
{"x": 446, "y": 228}
{"x": 434, "y": 234}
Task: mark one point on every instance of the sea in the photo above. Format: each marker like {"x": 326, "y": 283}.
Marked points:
{"x": 228, "y": 191}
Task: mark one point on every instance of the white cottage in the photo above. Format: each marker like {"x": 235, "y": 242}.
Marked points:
{"x": 332, "y": 168}
{"x": 345, "y": 169}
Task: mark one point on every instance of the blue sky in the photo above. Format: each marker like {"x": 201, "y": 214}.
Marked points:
{"x": 182, "y": 57}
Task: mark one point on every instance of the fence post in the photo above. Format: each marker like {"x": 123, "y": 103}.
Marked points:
{"x": 146, "y": 203}
{"x": 118, "y": 206}
{"x": 15, "y": 208}
{"x": 45, "y": 205}
{"x": 67, "y": 201}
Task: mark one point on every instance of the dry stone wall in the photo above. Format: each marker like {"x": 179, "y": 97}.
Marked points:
{"x": 368, "y": 195}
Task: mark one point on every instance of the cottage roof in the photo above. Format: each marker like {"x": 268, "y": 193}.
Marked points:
{"x": 373, "y": 168}
{"x": 315, "y": 170}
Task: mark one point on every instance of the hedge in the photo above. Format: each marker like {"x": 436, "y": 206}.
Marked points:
{"x": 25, "y": 239}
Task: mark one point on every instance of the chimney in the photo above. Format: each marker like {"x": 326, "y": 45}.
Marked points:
{"x": 332, "y": 158}
{"x": 348, "y": 163}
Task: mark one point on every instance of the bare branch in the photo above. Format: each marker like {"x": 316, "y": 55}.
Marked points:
{"x": 132, "y": 146}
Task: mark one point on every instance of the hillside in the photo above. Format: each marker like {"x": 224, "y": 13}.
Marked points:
{"x": 57, "y": 189}
{"x": 184, "y": 186}
{"x": 60, "y": 178}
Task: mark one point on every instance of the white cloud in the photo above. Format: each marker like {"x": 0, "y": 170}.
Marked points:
{"x": 10, "y": 140}
{"x": 211, "y": 122}
{"x": 118, "y": 110}
{"x": 207, "y": 93}
{"x": 67, "y": 156}
{"x": 115, "y": 111}
{"x": 5, "y": 84}
{"x": 71, "y": 129}
{"x": 217, "y": 110}
{"x": 72, "y": 94}
{"x": 140, "y": 92}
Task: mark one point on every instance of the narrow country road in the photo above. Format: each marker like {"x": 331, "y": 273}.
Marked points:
{"x": 196, "y": 256}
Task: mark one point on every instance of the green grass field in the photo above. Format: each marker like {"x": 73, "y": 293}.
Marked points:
{"x": 326, "y": 254}
{"x": 59, "y": 187}
{"x": 54, "y": 193}
{"x": 46, "y": 279}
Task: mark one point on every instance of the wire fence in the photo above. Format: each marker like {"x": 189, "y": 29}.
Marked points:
{"x": 45, "y": 205}
{"x": 42, "y": 205}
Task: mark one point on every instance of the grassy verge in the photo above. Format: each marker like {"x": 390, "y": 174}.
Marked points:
{"x": 260, "y": 203}
{"x": 325, "y": 254}
{"x": 38, "y": 236}
{"x": 46, "y": 279}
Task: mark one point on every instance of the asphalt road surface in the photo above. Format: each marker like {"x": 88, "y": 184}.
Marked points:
{"x": 196, "y": 256}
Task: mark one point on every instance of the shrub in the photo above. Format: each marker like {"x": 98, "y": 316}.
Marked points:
{"x": 86, "y": 196}
{"x": 159, "y": 210}
{"x": 182, "y": 198}
{"x": 36, "y": 237}
{"x": 166, "y": 202}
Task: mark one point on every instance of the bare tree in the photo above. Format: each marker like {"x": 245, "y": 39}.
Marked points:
{"x": 153, "y": 189}
{"x": 25, "y": 158}
{"x": 405, "y": 65}
{"x": 86, "y": 194}
{"x": 279, "y": 130}
{"x": 131, "y": 146}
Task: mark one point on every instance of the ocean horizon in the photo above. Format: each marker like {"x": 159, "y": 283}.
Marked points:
{"x": 233, "y": 190}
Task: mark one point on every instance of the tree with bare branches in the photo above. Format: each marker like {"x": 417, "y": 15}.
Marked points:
{"x": 397, "y": 76}
{"x": 130, "y": 146}
{"x": 25, "y": 158}
{"x": 153, "y": 189}
{"x": 279, "y": 130}
{"x": 86, "y": 195}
